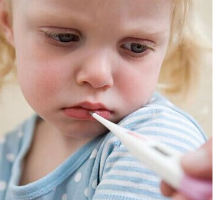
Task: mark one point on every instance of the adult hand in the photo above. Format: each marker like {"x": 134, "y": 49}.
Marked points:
{"x": 197, "y": 164}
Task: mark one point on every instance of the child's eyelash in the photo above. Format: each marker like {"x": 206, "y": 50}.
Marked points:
{"x": 49, "y": 34}
{"x": 52, "y": 35}
{"x": 61, "y": 37}
{"x": 137, "y": 49}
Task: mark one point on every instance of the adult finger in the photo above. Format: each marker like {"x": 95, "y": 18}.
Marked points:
{"x": 199, "y": 163}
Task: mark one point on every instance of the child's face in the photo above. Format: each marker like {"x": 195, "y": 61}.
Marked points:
{"x": 80, "y": 55}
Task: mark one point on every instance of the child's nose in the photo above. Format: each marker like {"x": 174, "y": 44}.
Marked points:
{"x": 96, "y": 72}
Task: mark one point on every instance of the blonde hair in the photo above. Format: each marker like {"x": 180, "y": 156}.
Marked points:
{"x": 7, "y": 60}
{"x": 187, "y": 47}
{"x": 181, "y": 64}
{"x": 7, "y": 56}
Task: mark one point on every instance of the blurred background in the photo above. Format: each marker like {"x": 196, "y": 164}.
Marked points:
{"x": 14, "y": 109}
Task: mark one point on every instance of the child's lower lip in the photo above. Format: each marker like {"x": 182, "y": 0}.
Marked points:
{"x": 83, "y": 114}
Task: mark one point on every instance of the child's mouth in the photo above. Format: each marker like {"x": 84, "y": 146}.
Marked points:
{"x": 82, "y": 110}
{"x": 83, "y": 114}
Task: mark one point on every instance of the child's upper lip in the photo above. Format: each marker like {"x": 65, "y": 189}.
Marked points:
{"x": 91, "y": 106}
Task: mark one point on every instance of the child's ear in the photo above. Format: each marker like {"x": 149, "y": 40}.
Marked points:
{"x": 6, "y": 23}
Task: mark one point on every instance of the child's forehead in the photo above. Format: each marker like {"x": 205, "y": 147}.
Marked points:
{"x": 143, "y": 13}
{"x": 95, "y": 8}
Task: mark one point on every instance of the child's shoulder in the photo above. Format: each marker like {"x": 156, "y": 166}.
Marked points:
{"x": 160, "y": 119}
{"x": 13, "y": 142}
{"x": 23, "y": 131}
{"x": 12, "y": 146}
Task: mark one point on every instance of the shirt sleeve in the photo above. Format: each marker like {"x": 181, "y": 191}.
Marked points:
{"x": 123, "y": 176}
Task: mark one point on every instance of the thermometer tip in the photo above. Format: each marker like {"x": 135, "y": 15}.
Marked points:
{"x": 91, "y": 113}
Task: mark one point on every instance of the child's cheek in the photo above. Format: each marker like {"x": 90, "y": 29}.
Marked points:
{"x": 139, "y": 82}
{"x": 40, "y": 82}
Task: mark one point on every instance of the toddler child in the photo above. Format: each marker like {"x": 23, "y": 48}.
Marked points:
{"x": 105, "y": 56}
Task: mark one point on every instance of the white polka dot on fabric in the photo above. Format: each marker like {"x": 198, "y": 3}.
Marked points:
{"x": 10, "y": 157}
{"x": 94, "y": 184}
{"x": 78, "y": 177}
{"x": 86, "y": 192}
{"x": 3, "y": 185}
{"x": 64, "y": 197}
{"x": 20, "y": 134}
{"x": 94, "y": 153}
{"x": 2, "y": 140}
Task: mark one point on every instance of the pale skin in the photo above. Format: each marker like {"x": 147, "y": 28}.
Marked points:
{"x": 197, "y": 164}
{"x": 98, "y": 65}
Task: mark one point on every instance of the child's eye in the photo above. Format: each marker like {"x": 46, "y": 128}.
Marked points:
{"x": 62, "y": 37}
{"x": 65, "y": 37}
{"x": 136, "y": 49}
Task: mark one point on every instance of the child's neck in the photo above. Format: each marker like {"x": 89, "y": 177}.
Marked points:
{"x": 49, "y": 149}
